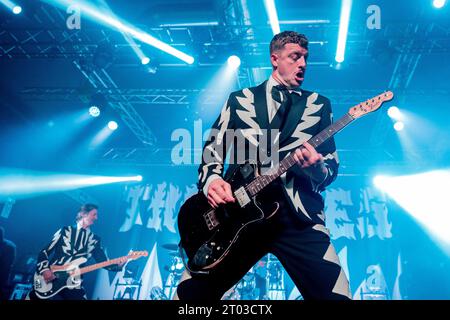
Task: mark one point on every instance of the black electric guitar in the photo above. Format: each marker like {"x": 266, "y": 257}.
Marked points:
{"x": 69, "y": 275}
{"x": 208, "y": 234}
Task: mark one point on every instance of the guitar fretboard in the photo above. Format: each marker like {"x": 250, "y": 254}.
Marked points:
{"x": 100, "y": 265}
{"x": 262, "y": 181}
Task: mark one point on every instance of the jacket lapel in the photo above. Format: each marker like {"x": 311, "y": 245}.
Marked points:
{"x": 261, "y": 105}
{"x": 293, "y": 117}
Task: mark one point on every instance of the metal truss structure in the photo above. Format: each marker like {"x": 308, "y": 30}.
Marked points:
{"x": 49, "y": 38}
{"x": 347, "y": 97}
{"x": 422, "y": 39}
{"x": 235, "y": 30}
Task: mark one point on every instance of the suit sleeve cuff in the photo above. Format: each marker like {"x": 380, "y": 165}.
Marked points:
{"x": 210, "y": 179}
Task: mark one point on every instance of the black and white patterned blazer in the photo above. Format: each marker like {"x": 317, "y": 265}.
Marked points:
{"x": 246, "y": 112}
{"x": 70, "y": 243}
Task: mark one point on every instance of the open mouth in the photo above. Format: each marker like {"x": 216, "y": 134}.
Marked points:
{"x": 299, "y": 76}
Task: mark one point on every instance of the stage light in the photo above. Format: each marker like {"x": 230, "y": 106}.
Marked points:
{"x": 223, "y": 81}
{"x": 189, "y": 24}
{"x": 94, "y": 111}
{"x": 234, "y": 62}
{"x": 17, "y": 9}
{"x": 133, "y": 45}
{"x": 123, "y": 26}
{"x": 343, "y": 30}
{"x": 20, "y": 183}
{"x": 424, "y": 196}
{"x": 337, "y": 65}
{"x": 393, "y": 112}
{"x": 399, "y": 126}
{"x": 379, "y": 181}
{"x": 112, "y": 125}
{"x": 273, "y": 16}
{"x": 438, "y": 4}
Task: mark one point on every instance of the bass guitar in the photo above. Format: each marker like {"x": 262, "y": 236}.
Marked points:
{"x": 69, "y": 275}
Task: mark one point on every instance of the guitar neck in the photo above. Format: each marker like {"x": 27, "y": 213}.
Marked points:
{"x": 263, "y": 180}
{"x": 100, "y": 265}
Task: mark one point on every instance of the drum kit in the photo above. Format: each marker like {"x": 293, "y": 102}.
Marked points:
{"x": 264, "y": 281}
{"x": 175, "y": 268}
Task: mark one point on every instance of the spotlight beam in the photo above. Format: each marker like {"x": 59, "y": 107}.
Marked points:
{"x": 9, "y": 4}
{"x": 134, "y": 46}
{"x": 425, "y": 197}
{"x": 121, "y": 25}
{"x": 273, "y": 16}
{"x": 343, "y": 30}
{"x": 16, "y": 183}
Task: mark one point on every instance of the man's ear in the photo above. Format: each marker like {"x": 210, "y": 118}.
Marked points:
{"x": 274, "y": 59}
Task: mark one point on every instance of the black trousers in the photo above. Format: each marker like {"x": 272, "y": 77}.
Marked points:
{"x": 304, "y": 250}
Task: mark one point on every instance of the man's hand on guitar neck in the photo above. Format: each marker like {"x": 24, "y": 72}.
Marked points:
{"x": 219, "y": 192}
{"x": 311, "y": 162}
{"x": 48, "y": 275}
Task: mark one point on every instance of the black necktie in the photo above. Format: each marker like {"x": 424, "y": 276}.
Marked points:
{"x": 282, "y": 95}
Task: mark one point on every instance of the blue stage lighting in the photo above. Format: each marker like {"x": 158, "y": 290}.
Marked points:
{"x": 424, "y": 196}
{"x": 393, "y": 112}
{"x": 145, "y": 60}
{"x": 94, "y": 111}
{"x": 17, "y": 9}
{"x": 343, "y": 30}
{"x": 379, "y": 181}
{"x": 273, "y": 16}
{"x": 398, "y": 126}
{"x": 113, "y": 125}
{"x": 113, "y": 21}
{"x": 439, "y": 3}
{"x": 21, "y": 183}
{"x": 234, "y": 62}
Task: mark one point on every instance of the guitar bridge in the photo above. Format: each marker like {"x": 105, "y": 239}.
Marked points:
{"x": 211, "y": 220}
{"x": 242, "y": 197}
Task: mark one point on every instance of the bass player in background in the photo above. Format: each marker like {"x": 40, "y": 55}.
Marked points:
{"x": 70, "y": 243}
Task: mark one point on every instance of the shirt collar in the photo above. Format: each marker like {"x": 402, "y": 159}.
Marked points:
{"x": 272, "y": 82}
{"x": 80, "y": 227}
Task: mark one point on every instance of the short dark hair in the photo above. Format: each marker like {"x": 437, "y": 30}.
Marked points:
{"x": 280, "y": 39}
{"x": 85, "y": 208}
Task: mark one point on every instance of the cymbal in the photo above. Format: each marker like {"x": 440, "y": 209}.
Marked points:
{"x": 170, "y": 246}
{"x": 174, "y": 254}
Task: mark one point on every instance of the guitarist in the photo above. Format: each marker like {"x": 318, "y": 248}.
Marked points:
{"x": 296, "y": 234}
{"x": 70, "y": 243}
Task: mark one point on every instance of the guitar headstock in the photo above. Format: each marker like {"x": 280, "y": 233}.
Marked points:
{"x": 370, "y": 105}
{"x": 133, "y": 255}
